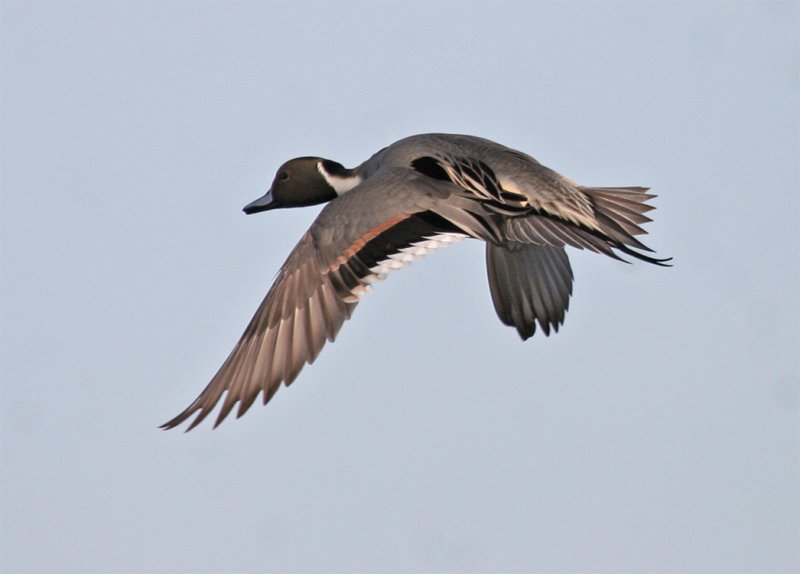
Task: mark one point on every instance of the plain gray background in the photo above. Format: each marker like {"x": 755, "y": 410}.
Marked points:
{"x": 658, "y": 431}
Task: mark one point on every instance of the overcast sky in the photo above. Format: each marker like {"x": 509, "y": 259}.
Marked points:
{"x": 658, "y": 431}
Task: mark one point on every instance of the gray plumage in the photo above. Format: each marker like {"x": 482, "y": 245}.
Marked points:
{"x": 408, "y": 199}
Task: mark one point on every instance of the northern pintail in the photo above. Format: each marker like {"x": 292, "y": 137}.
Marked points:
{"x": 413, "y": 197}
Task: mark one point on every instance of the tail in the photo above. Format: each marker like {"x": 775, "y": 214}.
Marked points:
{"x": 620, "y": 214}
{"x": 618, "y": 217}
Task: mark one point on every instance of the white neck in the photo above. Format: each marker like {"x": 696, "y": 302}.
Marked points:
{"x": 339, "y": 184}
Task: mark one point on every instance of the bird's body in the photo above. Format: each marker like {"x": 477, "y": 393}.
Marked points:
{"x": 410, "y": 198}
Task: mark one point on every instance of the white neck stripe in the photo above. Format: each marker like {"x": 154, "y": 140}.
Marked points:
{"x": 339, "y": 184}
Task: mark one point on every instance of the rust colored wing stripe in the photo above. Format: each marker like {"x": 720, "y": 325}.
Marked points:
{"x": 359, "y": 243}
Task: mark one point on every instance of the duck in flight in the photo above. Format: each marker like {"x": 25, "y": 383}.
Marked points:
{"x": 409, "y": 199}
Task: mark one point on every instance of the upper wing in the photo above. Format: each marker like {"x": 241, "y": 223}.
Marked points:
{"x": 318, "y": 286}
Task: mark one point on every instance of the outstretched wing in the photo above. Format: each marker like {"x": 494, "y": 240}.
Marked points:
{"x": 529, "y": 284}
{"x": 301, "y": 311}
{"x": 539, "y": 212}
{"x": 318, "y": 286}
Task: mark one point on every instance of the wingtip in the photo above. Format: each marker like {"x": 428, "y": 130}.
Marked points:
{"x": 182, "y": 418}
{"x": 174, "y": 423}
{"x": 170, "y": 424}
{"x": 219, "y": 420}
{"x": 525, "y": 332}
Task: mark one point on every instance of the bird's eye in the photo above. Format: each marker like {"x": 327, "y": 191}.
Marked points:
{"x": 283, "y": 176}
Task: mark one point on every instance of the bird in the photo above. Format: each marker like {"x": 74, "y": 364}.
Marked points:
{"x": 415, "y": 196}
